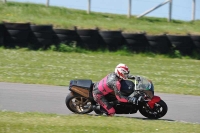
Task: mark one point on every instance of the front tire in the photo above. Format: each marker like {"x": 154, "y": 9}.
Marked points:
{"x": 78, "y": 104}
{"x": 159, "y": 110}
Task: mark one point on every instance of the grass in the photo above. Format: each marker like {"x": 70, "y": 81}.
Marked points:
{"x": 179, "y": 76}
{"x": 39, "y": 123}
{"x": 61, "y": 17}
{"x": 170, "y": 75}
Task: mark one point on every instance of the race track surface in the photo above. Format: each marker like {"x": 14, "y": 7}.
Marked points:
{"x": 51, "y": 99}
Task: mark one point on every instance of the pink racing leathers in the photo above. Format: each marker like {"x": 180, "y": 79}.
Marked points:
{"x": 110, "y": 83}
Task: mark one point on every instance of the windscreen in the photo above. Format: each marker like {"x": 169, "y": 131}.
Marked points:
{"x": 144, "y": 84}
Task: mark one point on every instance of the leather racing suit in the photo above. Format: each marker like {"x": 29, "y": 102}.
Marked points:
{"x": 110, "y": 83}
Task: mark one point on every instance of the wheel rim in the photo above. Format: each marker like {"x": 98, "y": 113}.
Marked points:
{"x": 80, "y": 104}
{"x": 157, "y": 112}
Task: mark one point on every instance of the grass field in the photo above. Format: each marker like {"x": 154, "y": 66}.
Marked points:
{"x": 170, "y": 75}
{"x": 180, "y": 76}
{"x": 61, "y": 17}
{"x": 50, "y": 123}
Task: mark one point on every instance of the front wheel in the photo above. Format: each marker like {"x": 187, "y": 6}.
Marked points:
{"x": 78, "y": 104}
{"x": 159, "y": 110}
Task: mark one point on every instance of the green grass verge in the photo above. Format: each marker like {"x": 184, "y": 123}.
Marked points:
{"x": 49, "y": 123}
{"x": 170, "y": 75}
{"x": 61, "y": 17}
{"x": 55, "y": 68}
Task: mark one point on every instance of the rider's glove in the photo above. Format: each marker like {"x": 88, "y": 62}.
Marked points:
{"x": 140, "y": 99}
{"x": 135, "y": 100}
{"x": 132, "y": 100}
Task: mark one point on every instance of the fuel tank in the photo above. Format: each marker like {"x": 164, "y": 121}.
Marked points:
{"x": 127, "y": 87}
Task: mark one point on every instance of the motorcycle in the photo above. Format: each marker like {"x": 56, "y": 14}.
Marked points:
{"x": 80, "y": 100}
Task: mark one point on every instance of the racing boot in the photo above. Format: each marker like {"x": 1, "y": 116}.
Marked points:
{"x": 97, "y": 109}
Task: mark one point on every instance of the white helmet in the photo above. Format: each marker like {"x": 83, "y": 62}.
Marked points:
{"x": 122, "y": 71}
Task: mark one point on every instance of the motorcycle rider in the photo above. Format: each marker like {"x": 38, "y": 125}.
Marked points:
{"x": 111, "y": 83}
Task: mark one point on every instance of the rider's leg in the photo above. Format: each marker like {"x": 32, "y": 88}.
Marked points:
{"x": 104, "y": 103}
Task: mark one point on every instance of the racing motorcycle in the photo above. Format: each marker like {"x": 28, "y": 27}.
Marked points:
{"x": 80, "y": 100}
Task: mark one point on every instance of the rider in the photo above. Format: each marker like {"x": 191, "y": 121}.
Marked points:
{"x": 111, "y": 83}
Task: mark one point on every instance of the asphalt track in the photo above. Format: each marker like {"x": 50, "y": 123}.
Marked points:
{"x": 51, "y": 99}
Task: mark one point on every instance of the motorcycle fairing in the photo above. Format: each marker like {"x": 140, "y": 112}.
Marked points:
{"x": 81, "y": 91}
{"x": 154, "y": 100}
{"x": 81, "y": 86}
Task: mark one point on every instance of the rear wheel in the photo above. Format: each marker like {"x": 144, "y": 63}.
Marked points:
{"x": 159, "y": 110}
{"x": 78, "y": 104}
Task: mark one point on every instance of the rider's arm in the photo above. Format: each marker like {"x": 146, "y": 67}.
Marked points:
{"x": 131, "y": 76}
{"x": 118, "y": 94}
{"x": 137, "y": 77}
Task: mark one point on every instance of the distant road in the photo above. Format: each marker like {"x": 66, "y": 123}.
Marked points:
{"x": 51, "y": 99}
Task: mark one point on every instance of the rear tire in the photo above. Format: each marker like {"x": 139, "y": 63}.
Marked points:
{"x": 78, "y": 104}
{"x": 159, "y": 110}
